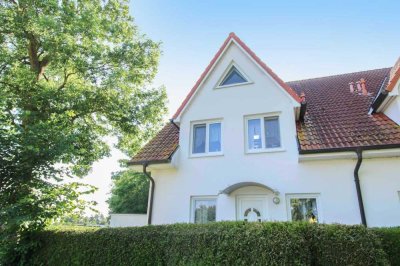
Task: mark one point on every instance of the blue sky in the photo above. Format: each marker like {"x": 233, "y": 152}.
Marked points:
{"x": 297, "y": 39}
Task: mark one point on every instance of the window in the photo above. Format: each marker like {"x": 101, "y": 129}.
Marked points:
{"x": 303, "y": 207}
{"x": 199, "y": 138}
{"x": 207, "y": 138}
{"x": 263, "y": 133}
{"x": 233, "y": 77}
{"x": 203, "y": 209}
{"x": 254, "y": 133}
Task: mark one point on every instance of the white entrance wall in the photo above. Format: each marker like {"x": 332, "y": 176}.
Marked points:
{"x": 281, "y": 170}
{"x": 332, "y": 180}
{"x": 127, "y": 219}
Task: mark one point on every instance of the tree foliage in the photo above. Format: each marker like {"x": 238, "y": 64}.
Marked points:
{"x": 129, "y": 193}
{"x": 71, "y": 72}
{"x": 81, "y": 219}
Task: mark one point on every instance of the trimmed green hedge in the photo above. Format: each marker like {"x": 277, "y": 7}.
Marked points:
{"x": 390, "y": 238}
{"x": 222, "y": 243}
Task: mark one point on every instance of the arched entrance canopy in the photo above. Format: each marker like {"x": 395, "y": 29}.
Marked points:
{"x": 236, "y": 186}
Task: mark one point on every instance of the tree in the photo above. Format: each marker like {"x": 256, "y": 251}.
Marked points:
{"x": 81, "y": 219}
{"x": 71, "y": 72}
{"x": 129, "y": 193}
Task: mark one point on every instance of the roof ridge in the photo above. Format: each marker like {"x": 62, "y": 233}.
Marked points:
{"x": 336, "y": 75}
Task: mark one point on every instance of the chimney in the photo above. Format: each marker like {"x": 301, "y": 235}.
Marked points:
{"x": 303, "y": 106}
{"x": 363, "y": 87}
{"x": 303, "y": 97}
{"x": 359, "y": 89}
{"x": 351, "y": 84}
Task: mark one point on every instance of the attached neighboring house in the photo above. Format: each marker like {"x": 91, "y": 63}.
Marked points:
{"x": 245, "y": 145}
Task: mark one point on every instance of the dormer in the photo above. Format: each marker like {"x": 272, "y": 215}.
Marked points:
{"x": 387, "y": 101}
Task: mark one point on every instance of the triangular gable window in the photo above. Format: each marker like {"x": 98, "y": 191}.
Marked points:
{"x": 233, "y": 77}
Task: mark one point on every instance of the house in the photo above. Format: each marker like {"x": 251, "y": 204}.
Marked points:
{"x": 245, "y": 145}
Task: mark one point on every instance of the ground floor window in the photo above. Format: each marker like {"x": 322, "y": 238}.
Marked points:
{"x": 203, "y": 209}
{"x": 303, "y": 207}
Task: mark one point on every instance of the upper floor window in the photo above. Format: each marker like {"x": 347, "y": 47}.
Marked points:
{"x": 207, "y": 138}
{"x": 263, "y": 132}
{"x": 233, "y": 77}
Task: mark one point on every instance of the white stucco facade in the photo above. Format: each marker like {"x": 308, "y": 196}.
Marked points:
{"x": 392, "y": 110}
{"x": 286, "y": 174}
{"x": 127, "y": 219}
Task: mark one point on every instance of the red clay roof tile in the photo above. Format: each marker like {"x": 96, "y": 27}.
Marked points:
{"x": 338, "y": 119}
{"x": 160, "y": 148}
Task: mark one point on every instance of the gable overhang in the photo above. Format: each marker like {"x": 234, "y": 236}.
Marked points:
{"x": 233, "y": 39}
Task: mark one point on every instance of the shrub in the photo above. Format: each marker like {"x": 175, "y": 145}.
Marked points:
{"x": 390, "y": 238}
{"x": 222, "y": 243}
{"x": 344, "y": 245}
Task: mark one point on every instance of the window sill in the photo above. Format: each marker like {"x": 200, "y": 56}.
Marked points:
{"x": 201, "y": 155}
{"x": 234, "y": 85}
{"x": 280, "y": 149}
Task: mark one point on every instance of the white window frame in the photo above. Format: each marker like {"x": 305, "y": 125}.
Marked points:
{"x": 262, "y": 118}
{"x": 232, "y": 63}
{"x": 316, "y": 196}
{"x": 207, "y": 152}
{"x": 193, "y": 200}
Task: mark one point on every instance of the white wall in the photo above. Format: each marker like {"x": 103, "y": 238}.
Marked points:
{"x": 380, "y": 184}
{"x": 332, "y": 179}
{"x": 393, "y": 110}
{"x": 126, "y": 220}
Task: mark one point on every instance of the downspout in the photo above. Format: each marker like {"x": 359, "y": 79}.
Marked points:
{"x": 358, "y": 188}
{"x": 172, "y": 122}
{"x": 152, "y": 185}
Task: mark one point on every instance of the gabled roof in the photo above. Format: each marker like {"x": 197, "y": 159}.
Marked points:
{"x": 337, "y": 119}
{"x": 232, "y": 37}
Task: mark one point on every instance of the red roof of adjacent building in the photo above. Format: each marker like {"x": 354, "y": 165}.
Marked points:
{"x": 337, "y": 119}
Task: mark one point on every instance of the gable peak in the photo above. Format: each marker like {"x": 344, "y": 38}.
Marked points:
{"x": 234, "y": 38}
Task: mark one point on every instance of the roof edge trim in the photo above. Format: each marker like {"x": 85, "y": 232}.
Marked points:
{"x": 347, "y": 149}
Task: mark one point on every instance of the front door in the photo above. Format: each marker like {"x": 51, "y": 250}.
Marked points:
{"x": 251, "y": 208}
